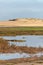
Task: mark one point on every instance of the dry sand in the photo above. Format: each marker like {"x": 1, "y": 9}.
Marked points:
{"x": 22, "y": 22}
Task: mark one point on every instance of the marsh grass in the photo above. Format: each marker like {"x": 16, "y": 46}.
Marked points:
{"x": 13, "y": 31}
{"x": 17, "y": 40}
{"x": 5, "y": 47}
{"x": 3, "y": 43}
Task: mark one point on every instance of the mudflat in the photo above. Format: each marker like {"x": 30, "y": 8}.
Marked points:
{"x": 23, "y": 61}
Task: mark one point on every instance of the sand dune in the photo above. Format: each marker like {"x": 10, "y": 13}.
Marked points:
{"x": 22, "y": 22}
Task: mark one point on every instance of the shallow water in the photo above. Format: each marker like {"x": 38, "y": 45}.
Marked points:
{"x": 31, "y": 40}
{"x": 7, "y": 56}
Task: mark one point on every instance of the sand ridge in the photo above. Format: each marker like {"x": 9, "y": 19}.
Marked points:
{"x": 22, "y": 22}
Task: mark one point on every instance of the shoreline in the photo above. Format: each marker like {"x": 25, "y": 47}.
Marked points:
{"x": 21, "y": 61}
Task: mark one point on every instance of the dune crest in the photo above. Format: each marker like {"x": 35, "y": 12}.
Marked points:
{"x": 22, "y": 22}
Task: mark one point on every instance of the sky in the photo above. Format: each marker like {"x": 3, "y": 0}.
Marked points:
{"x": 11, "y": 9}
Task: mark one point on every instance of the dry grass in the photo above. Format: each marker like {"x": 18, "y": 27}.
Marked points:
{"x": 23, "y": 61}
{"x": 6, "y": 48}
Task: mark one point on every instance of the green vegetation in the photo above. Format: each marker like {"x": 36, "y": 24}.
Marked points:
{"x": 21, "y": 31}
{"x": 20, "y": 28}
{"x": 10, "y": 64}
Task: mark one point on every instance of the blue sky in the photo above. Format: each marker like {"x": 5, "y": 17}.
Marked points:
{"x": 21, "y": 9}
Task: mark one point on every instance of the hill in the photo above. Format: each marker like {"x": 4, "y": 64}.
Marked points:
{"x": 28, "y": 22}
